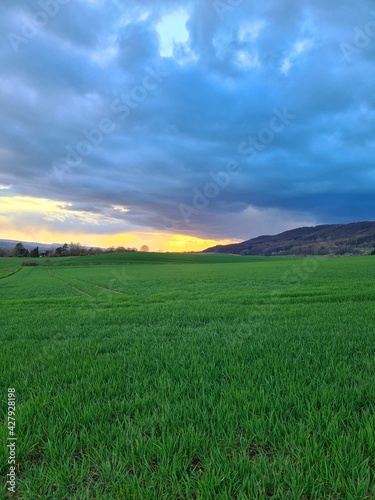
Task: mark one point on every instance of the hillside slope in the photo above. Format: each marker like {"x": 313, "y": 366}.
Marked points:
{"x": 331, "y": 239}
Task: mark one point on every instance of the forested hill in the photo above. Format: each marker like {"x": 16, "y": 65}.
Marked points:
{"x": 331, "y": 239}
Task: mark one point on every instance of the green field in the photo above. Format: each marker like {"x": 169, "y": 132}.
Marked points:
{"x": 146, "y": 376}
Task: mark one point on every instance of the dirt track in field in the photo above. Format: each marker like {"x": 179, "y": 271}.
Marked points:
{"x": 71, "y": 286}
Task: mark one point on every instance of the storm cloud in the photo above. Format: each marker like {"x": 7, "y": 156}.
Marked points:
{"x": 217, "y": 119}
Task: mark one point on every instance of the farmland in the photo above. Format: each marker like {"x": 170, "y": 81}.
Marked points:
{"x": 153, "y": 376}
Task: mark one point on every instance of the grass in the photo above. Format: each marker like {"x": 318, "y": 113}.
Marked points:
{"x": 8, "y": 270}
{"x": 201, "y": 377}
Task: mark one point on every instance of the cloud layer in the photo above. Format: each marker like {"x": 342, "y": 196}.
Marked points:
{"x": 215, "y": 119}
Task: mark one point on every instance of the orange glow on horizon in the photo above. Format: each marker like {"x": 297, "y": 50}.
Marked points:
{"x": 155, "y": 241}
{"x": 15, "y": 225}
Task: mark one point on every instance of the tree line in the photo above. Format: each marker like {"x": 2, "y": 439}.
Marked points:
{"x": 66, "y": 250}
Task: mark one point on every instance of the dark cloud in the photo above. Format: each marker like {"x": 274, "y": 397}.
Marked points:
{"x": 173, "y": 122}
{"x": 138, "y": 46}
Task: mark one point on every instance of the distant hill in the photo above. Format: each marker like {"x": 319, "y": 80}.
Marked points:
{"x": 10, "y": 244}
{"x": 357, "y": 238}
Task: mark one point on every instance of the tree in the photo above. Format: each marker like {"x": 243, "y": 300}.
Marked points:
{"x": 35, "y": 253}
{"x": 75, "y": 249}
{"x": 145, "y": 248}
{"x": 94, "y": 251}
{"x": 64, "y": 250}
{"x": 20, "y": 251}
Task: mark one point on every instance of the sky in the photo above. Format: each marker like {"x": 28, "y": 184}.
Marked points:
{"x": 184, "y": 124}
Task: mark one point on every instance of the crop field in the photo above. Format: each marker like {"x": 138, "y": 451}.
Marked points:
{"x": 146, "y": 376}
